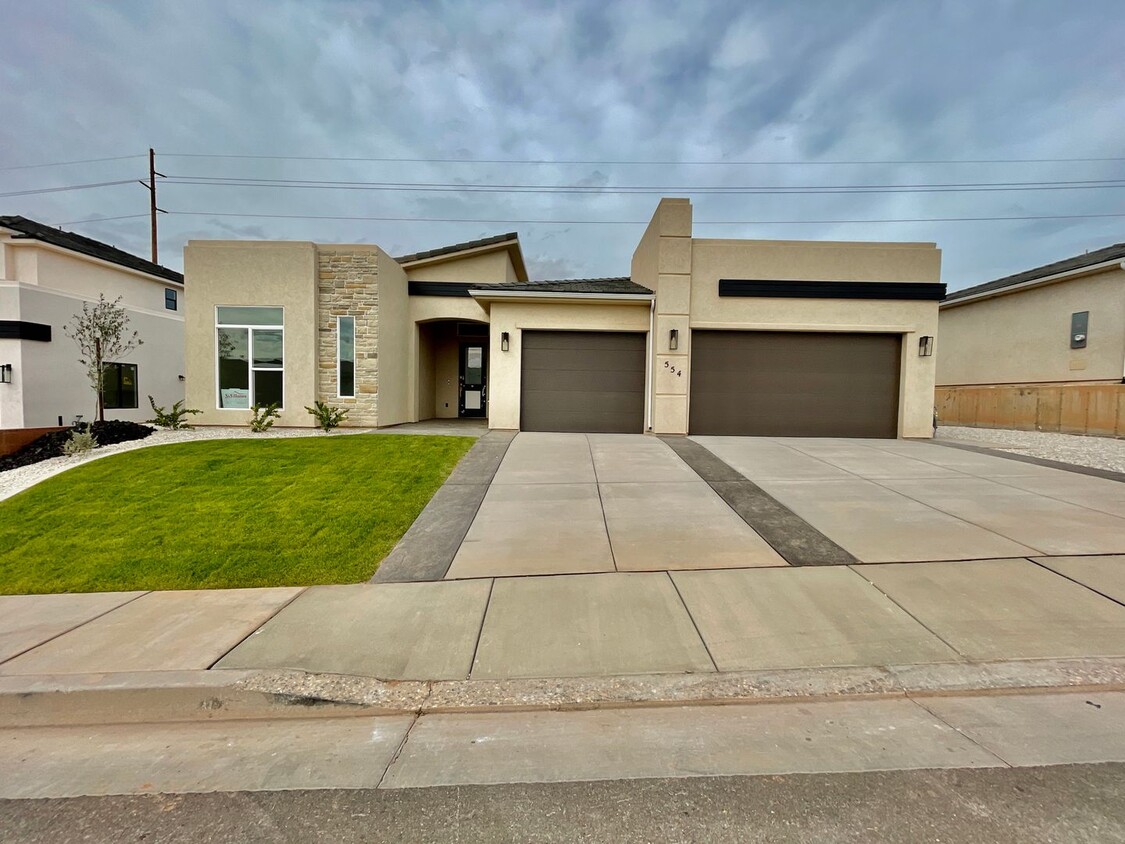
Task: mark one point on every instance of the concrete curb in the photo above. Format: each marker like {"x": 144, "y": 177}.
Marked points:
{"x": 162, "y": 696}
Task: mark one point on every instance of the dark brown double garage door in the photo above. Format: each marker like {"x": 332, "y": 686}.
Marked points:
{"x": 794, "y": 384}
{"x": 583, "y": 381}
{"x": 743, "y": 383}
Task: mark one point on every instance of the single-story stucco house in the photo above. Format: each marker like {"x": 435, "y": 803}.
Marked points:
{"x": 704, "y": 336}
{"x": 1043, "y": 349}
{"x": 46, "y": 274}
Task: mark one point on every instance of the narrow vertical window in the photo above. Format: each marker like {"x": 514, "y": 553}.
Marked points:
{"x": 345, "y": 355}
{"x": 170, "y": 298}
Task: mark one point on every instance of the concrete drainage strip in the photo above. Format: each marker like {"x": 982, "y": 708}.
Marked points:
{"x": 150, "y": 697}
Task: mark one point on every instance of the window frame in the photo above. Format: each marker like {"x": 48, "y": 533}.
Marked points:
{"x": 250, "y": 356}
{"x": 340, "y": 394}
{"x": 136, "y": 386}
{"x": 175, "y": 299}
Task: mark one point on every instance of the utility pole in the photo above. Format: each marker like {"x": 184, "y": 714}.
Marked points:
{"x": 152, "y": 209}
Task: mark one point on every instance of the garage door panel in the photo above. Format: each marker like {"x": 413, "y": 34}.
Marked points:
{"x": 794, "y": 384}
{"x": 578, "y": 381}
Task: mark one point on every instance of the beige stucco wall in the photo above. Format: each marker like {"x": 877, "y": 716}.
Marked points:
{"x": 514, "y": 317}
{"x": 396, "y": 334}
{"x": 1024, "y": 337}
{"x": 493, "y": 267}
{"x": 262, "y": 273}
{"x": 827, "y": 261}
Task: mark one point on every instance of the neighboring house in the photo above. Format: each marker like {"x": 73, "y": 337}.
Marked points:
{"x": 707, "y": 336}
{"x": 45, "y": 276}
{"x": 1042, "y": 349}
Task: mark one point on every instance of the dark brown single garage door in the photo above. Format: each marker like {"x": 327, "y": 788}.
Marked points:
{"x": 585, "y": 381}
{"x": 794, "y": 384}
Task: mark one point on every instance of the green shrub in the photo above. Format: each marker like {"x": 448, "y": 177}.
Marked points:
{"x": 263, "y": 417}
{"x": 80, "y": 442}
{"x": 172, "y": 419}
{"x": 327, "y": 417}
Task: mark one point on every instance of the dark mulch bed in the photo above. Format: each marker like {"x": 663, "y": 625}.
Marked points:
{"x": 51, "y": 445}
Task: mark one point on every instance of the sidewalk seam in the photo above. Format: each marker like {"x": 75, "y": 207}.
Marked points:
{"x": 960, "y": 732}
{"x": 480, "y": 633}
{"x": 267, "y": 620}
{"x": 601, "y": 503}
{"x": 694, "y": 624}
{"x": 1074, "y": 580}
{"x": 919, "y": 621}
{"x": 398, "y": 750}
{"x": 75, "y": 627}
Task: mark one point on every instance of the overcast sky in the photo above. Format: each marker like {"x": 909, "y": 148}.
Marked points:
{"x": 617, "y": 81}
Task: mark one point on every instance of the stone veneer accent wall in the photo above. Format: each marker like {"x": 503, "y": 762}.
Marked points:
{"x": 348, "y": 285}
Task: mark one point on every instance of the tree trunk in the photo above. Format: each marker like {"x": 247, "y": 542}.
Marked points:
{"x": 101, "y": 381}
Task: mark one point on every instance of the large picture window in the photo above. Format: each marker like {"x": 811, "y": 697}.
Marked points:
{"x": 345, "y": 355}
{"x": 251, "y": 343}
{"x": 119, "y": 386}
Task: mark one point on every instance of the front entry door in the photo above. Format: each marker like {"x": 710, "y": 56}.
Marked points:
{"x": 472, "y": 394}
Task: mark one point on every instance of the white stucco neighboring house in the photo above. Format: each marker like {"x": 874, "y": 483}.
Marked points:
{"x": 45, "y": 276}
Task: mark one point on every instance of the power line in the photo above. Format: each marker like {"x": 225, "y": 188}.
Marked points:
{"x": 645, "y": 222}
{"x": 661, "y": 163}
{"x": 64, "y": 163}
{"x": 68, "y": 187}
{"x": 448, "y": 187}
{"x": 102, "y": 219}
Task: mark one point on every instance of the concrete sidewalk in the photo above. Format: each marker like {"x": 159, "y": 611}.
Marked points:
{"x": 592, "y": 625}
{"x": 408, "y": 751}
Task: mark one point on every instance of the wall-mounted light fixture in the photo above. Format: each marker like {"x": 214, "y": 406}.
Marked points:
{"x": 182, "y": 378}
{"x": 925, "y": 346}
{"x": 503, "y": 341}
{"x": 674, "y": 339}
{"x": 6, "y": 373}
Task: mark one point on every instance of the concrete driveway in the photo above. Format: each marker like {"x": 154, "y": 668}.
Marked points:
{"x": 905, "y": 501}
{"x": 579, "y": 503}
{"x": 588, "y": 503}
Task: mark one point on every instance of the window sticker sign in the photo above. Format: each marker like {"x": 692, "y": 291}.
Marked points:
{"x": 235, "y": 397}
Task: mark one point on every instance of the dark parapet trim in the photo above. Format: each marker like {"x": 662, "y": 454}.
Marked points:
{"x": 921, "y": 291}
{"x": 15, "y": 329}
{"x": 441, "y": 288}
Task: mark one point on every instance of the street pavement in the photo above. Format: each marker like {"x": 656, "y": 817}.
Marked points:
{"x": 1077, "y": 804}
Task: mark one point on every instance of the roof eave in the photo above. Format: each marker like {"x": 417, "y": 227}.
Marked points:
{"x": 483, "y": 295}
{"x": 515, "y": 254}
{"x": 1090, "y": 269}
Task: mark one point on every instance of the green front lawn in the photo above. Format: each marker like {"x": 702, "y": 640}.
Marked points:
{"x": 222, "y": 513}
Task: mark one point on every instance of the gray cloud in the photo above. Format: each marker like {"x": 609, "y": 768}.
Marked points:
{"x": 587, "y": 80}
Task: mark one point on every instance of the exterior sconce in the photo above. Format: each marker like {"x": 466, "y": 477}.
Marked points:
{"x": 503, "y": 341}
{"x": 674, "y": 339}
{"x": 925, "y": 346}
{"x": 6, "y": 374}
{"x": 182, "y": 378}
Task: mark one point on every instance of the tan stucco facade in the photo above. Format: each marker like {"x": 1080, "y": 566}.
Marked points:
{"x": 685, "y": 273}
{"x": 417, "y": 331}
{"x": 1023, "y": 336}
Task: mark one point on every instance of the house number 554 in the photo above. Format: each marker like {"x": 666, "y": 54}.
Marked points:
{"x": 679, "y": 373}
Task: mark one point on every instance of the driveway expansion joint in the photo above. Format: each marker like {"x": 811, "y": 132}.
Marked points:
{"x": 797, "y": 541}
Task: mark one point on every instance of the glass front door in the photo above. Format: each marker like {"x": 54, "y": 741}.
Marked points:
{"x": 473, "y": 391}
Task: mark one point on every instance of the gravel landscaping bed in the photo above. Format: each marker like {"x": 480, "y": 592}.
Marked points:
{"x": 1096, "y": 452}
{"x": 17, "y": 480}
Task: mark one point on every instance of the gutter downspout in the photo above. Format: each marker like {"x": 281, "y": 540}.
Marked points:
{"x": 650, "y": 379}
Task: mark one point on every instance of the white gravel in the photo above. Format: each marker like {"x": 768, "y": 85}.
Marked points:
{"x": 17, "y": 480}
{"x": 1096, "y": 452}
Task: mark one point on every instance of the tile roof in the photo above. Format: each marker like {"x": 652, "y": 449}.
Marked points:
{"x": 615, "y": 286}
{"x": 458, "y": 247}
{"x": 87, "y": 246}
{"x": 1109, "y": 253}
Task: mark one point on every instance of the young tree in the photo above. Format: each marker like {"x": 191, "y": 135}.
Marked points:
{"x": 102, "y": 335}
